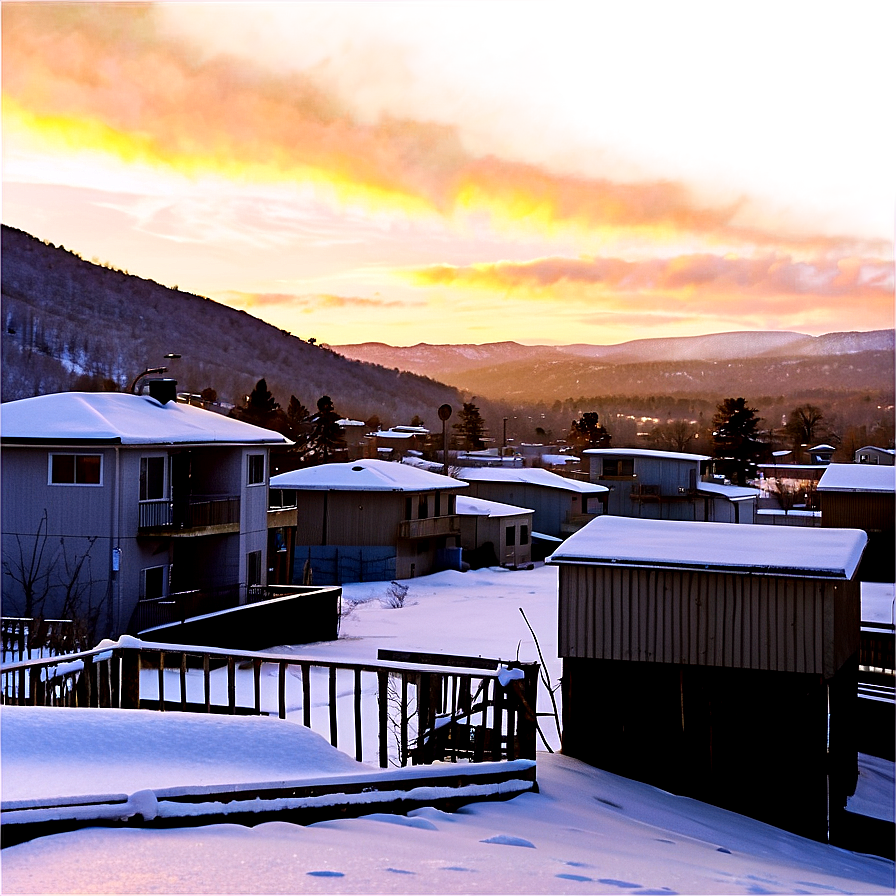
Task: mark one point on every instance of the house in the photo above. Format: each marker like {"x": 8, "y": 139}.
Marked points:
{"x": 861, "y": 496}
{"x": 369, "y": 520}
{"x": 873, "y": 455}
{"x": 497, "y": 534}
{"x": 114, "y": 504}
{"x": 821, "y": 454}
{"x": 560, "y": 505}
{"x": 395, "y": 443}
{"x": 712, "y": 655}
{"x": 669, "y": 485}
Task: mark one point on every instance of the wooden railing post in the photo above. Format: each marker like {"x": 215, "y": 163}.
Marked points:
{"x": 383, "y": 696}
{"x": 130, "y": 678}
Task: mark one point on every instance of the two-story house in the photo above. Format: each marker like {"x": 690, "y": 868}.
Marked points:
{"x": 667, "y": 485}
{"x": 369, "y": 520}
{"x": 113, "y": 503}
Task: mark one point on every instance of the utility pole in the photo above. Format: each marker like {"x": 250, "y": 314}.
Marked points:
{"x": 444, "y": 414}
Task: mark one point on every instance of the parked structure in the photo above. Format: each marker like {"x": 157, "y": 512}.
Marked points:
{"x": 370, "y": 520}
{"x": 113, "y": 503}
{"x": 861, "y": 496}
{"x": 560, "y": 505}
{"x": 668, "y": 485}
{"x": 499, "y": 534}
{"x": 873, "y": 455}
{"x": 712, "y": 655}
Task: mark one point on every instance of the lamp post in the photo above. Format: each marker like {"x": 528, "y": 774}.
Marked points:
{"x": 444, "y": 414}
{"x": 150, "y": 371}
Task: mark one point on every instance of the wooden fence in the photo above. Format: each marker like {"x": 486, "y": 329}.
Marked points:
{"x": 421, "y": 713}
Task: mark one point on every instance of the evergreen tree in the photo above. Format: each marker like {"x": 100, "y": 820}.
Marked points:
{"x": 588, "y": 432}
{"x": 471, "y": 427}
{"x": 736, "y": 442}
{"x": 327, "y": 440}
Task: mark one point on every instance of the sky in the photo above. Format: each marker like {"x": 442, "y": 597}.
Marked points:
{"x": 403, "y": 172}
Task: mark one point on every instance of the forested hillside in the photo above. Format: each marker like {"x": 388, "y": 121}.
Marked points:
{"x": 68, "y": 323}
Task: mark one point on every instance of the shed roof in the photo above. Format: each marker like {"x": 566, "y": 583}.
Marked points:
{"x": 366, "y": 475}
{"x": 731, "y": 492}
{"x": 467, "y": 505}
{"x": 646, "y": 452}
{"x": 858, "y": 478}
{"x": 120, "y": 418}
{"x": 722, "y": 547}
{"x": 530, "y": 476}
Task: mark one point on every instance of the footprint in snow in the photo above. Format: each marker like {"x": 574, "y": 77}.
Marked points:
{"x": 579, "y": 877}
{"x": 325, "y": 874}
{"x": 507, "y": 840}
{"x": 623, "y": 884}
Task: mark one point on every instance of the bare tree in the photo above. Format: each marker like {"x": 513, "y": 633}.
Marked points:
{"x": 29, "y": 571}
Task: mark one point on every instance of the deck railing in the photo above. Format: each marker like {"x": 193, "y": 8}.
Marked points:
{"x": 26, "y": 638}
{"x": 416, "y": 713}
{"x": 199, "y": 512}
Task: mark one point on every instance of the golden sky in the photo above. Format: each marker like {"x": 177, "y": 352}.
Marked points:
{"x": 402, "y": 172}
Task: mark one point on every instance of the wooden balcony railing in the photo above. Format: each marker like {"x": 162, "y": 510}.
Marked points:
{"x": 200, "y": 512}
{"x": 422, "y": 712}
{"x": 431, "y": 527}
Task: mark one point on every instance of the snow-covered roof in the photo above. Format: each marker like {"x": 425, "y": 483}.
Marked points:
{"x": 879, "y": 602}
{"x": 346, "y": 422}
{"x": 558, "y": 459}
{"x": 470, "y": 506}
{"x": 529, "y": 476}
{"x": 858, "y": 478}
{"x": 823, "y": 447}
{"x": 365, "y": 476}
{"x": 120, "y": 418}
{"x": 731, "y": 492}
{"x": 646, "y": 452}
{"x": 764, "y": 550}
{"x": 391, "y": 434}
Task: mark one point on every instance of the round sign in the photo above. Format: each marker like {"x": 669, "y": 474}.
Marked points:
{"x": 444, "y": 412}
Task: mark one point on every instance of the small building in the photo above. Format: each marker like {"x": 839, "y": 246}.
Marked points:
{"x": 560, "y": 505}
{"x": 861, "y": 496}
{"x": 116, "y": 504}
{"x": 821, "y": 454}
{"x": 710, "y": 656}
{"x": 873, "y": 455}
{"x": 668, "y": 485}
{"x": 395, "y": 443}
{"x": 369, "y": 520}
{"x": 498, "y": 534}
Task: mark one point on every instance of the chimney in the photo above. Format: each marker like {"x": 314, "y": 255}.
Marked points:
{"x": 163, "y": 390}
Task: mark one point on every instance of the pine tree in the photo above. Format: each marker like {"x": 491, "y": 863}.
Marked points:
{"x": 471, "y": 427}
{"x": 736, "y": 440}
{"x": 588, "y": 432}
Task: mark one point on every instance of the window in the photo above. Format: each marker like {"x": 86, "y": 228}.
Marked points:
{"x": 423, "y": 507}
{"x": 152, "y": 478}
{"x": 76, "y": 469}
{"x": 510, "y": 536}
{"x": 256, "y": 469}
{"x": 253, "y": 568}
{"x": 152, "y": 582}
{"x": 452, "y": 504}
{"x": 524, "y": 535}
{"x": 623, "y": 466}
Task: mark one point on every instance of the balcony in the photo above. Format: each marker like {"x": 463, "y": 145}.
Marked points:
{"x": 200, "y": 514}
{"x": 431, "y": 527}
{"x": 644, "y": 493}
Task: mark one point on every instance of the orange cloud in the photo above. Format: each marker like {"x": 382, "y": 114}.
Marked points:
{"x": 291, "y": 302}
{"x": 100, "y": 77}
{"x": 739, "y": 277}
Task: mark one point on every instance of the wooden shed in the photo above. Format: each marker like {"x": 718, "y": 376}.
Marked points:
{"x": 863, "y": 496}
{"x": 704, "y": 658}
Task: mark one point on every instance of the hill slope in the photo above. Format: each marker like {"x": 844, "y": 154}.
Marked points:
{"x": 64, "y": 317}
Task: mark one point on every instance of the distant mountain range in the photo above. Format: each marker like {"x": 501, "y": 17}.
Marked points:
{"x": 68, "y": 323}
{"x": 751, "y": 362}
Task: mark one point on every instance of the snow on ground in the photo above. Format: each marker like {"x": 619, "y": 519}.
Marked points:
{"x": 587, "y": 831}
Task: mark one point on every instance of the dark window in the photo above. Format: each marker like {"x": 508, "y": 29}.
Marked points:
{"x": 256, "y": 469}
{"x": 76, "y": 469}
{"x": 524, "y": 535}
{"x": 152, "y": 478}
{"x": 452, "y": 504}
{"x": 510, "y": 536}
{"x": 423, "y": 507}
{"x": 253, "y": 568}
{"x": 153, "y": 583}
{"x": 408, "y": 509}
{"x": 623, "y": 466}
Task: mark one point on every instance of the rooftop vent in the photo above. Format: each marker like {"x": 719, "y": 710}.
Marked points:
{"x": 163, "y": 390}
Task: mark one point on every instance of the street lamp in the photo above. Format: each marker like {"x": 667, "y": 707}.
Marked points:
{"x": 150, "y": 371}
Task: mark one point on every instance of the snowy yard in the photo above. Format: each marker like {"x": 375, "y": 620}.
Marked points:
{"x": 587, "y": 831}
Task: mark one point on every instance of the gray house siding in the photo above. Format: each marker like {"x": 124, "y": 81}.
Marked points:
{"x": 552, "y": 507}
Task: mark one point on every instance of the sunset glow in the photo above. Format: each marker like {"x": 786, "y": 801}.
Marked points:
{"x": 451, "y": 173}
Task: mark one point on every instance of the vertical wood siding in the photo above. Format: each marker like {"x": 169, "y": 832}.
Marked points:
{"x": 709, "y": 619}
